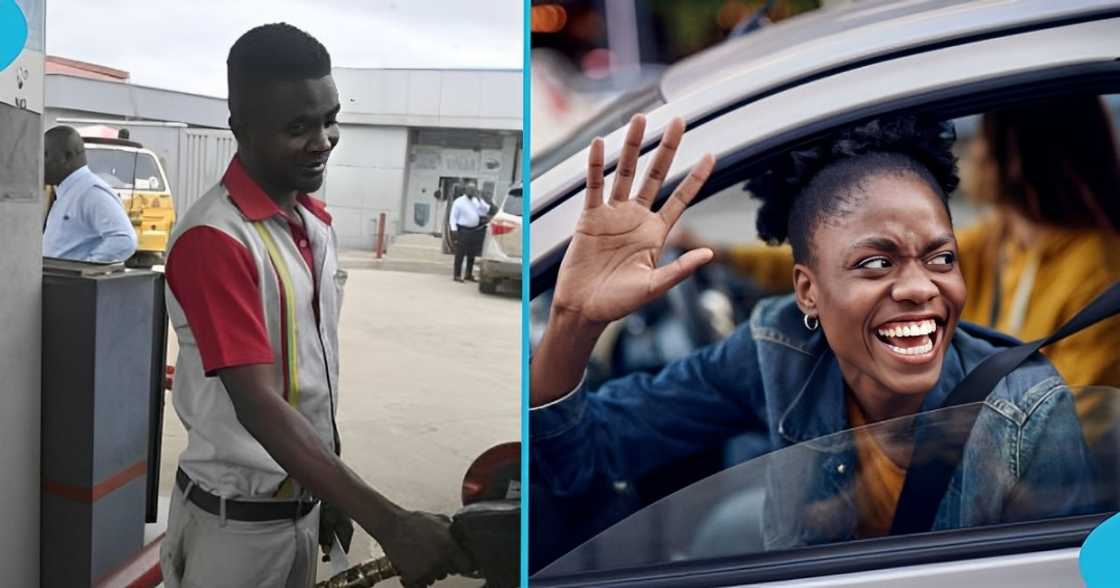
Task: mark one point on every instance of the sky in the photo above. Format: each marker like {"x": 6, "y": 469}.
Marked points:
{"x": 182, "y": 44}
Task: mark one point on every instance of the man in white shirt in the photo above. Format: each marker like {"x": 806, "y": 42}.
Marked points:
{"x": 468, "y": 230}
{"x": 87, "y": 221}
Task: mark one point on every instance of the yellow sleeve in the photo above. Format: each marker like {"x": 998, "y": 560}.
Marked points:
{"x": 771, "y": 267}
{"x": 977, "y": 263}
{"x": 972, "y": 241}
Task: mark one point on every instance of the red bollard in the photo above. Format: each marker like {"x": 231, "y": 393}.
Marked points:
{"x": 380, "y": 235}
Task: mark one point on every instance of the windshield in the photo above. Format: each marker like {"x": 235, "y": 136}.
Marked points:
{"x": 125, "y": 170}
{"x": 775, "y": 502}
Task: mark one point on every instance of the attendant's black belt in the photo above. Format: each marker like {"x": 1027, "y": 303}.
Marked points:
{"x": 240, "y": 510}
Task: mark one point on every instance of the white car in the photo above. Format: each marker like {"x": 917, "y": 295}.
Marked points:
{"x": 750, "y": 98}
{"x": 501, "y": 252}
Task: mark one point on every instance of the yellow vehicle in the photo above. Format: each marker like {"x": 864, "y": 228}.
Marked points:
{"x": 137, "y": 176}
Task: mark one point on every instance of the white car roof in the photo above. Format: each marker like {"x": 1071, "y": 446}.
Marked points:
{"x": 825, "y": 39}
{"x": 112, "y": 147}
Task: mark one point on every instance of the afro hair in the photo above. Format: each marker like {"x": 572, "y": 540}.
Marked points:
{"x": 803, "y": 186}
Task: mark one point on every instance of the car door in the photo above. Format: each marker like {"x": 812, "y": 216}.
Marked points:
{"x": 949, "y": 81}
{"x": 717, "y": 531}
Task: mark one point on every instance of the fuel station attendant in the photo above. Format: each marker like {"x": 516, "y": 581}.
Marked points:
{"x": 254, "y": 296}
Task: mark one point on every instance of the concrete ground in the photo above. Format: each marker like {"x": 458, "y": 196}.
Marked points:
{"x": 430, "y": 379}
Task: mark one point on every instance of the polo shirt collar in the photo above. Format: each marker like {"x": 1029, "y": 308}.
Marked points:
{"x": 254, "y": 202}
{"x": 316, "y": 207}
{"x": 76, "y": 177}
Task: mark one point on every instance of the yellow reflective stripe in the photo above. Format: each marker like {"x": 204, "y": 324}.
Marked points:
{"x": 289, "y": 311}
{"x": 286, "y": 490}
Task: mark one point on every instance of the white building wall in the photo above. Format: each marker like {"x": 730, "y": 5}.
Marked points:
{"x": 465, "y": 99}
{"x": 370, "y": 173}
{"x": 366, "y": 176}
{"x": 120, "y": 100}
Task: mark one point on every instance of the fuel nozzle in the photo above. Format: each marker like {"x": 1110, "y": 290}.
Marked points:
{"x": 363, "y": 575}
{"x": 488, "y": 532}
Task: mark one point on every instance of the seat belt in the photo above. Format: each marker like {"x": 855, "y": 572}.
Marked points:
{"x": 938, "y": 447}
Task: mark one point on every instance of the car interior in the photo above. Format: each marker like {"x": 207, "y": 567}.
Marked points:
{"x": 707, "y": 508}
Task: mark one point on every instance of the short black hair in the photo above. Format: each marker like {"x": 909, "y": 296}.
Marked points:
{"x": 806, "y": 185}
{"x": 273, "y": 52}
{"x": 65, "y": 138}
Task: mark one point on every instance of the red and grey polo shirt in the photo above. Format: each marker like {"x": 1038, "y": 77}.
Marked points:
{"x": 248, "y": 285}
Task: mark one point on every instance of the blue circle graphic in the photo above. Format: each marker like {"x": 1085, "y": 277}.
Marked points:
{"x": 1099, "y": 565}
{"x": 13, "y": 32}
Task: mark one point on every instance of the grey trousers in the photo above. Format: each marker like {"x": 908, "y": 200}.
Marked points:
{"x": 200, "y": 550}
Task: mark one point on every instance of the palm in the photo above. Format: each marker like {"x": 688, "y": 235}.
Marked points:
{"x": 610, "y": 268}
{"x": 615, "y": 253}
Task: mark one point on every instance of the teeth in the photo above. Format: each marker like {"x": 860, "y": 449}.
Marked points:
{"x": 912, "y": 330}
{"x": 923, "y": 348}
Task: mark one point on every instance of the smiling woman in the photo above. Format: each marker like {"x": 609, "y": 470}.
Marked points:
{"x": 866, "y": 213}
{"x": 871, "y": 333}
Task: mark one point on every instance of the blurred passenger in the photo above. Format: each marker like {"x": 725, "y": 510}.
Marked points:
{"x": 1050, "y": 171}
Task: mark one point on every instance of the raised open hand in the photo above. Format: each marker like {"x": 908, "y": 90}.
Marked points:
{"x": 610, "y": 268}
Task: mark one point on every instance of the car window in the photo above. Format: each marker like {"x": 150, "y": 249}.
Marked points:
{"x": 774, "y": 502}
{"x": 147, "y": 173}
{"x": 728, "y": 216}
{"x": 512, "y": 204}
{"x": 698, "y": 312}
{"x": 117, "y": 168}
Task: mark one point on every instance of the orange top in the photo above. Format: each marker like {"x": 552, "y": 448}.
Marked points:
{"x": 878, "y": 479}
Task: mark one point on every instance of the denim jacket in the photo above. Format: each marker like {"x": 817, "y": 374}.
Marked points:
{"x": 1026, "y": 458}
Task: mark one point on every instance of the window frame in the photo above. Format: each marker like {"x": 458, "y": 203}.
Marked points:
{"x": 962, "y": 100}
{"x": 847, "y": 557}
